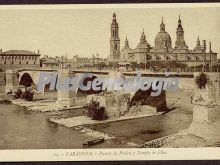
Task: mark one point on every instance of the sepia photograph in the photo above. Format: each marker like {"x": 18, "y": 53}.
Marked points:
{"x": 109, "y": 77}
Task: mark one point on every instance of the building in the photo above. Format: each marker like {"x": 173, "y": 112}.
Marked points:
{"x": 162, "y": 51}
{"x": 19, "y": 59}
{"x": 49, "y": 62}
{"x": 114, "y": 40}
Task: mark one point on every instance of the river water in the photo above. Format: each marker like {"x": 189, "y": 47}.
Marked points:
{"x": 22, "y": 129}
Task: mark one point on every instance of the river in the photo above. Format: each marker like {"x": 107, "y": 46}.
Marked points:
{"x": 22, "y": 129}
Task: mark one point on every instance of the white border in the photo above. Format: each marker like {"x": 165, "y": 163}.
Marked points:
{"x": 114, "y": 154}
{"x": 50, "y": 154}
{"x": 109, "y": 6}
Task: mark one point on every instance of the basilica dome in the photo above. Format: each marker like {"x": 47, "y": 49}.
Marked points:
{"x": 163, "y": 39}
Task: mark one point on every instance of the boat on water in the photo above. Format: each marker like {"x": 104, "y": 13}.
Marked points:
{"x": 93, "y": 142}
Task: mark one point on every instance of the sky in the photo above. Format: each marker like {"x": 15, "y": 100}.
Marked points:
{"x": 84, "y": 32}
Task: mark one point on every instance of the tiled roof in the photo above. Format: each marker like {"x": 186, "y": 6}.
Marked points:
{"x": 19, "y": 52}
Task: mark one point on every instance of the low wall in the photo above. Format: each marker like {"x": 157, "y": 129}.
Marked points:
{"x": 186, "y": 83}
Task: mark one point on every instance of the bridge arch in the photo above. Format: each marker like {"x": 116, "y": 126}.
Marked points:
{"x": 26, "y": 79}
{"x": 80, "y": 92}
{"x": 144, "y": 98}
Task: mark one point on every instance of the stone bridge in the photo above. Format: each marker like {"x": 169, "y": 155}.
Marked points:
{"x": 28, "y": 77}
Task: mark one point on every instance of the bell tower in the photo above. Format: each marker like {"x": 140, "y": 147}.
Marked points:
{"x": 180, "y": 34}
{"x": 114, "y": 40}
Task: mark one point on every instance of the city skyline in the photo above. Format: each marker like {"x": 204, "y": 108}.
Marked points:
{"x": 75, "y": 31}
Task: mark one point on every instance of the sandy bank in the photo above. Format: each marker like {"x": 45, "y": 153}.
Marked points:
{"x": 84, "y": 120}
{"x": 44, "y": 106}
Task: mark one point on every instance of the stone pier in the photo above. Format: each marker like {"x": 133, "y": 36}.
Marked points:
{"x": 65, "y": 98}
{"x": 206, "y": 113}
{"x": 11, "y": 81}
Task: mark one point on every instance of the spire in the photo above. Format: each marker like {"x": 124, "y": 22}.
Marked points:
{"x": 114, "y": 15}
{"x": 179, "y": 22}
{"x": 198, "y": 42}
{"x": 162, "y": 26}
{"x": 126, "y": 42}
{"x": 143, "y": 37}
{"x": 114, "y": 21}
{"x": 143, "y": 32}
{"x": 179, "y": 27}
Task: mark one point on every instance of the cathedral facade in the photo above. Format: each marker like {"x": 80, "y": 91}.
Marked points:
{"x": 162, "y": 50}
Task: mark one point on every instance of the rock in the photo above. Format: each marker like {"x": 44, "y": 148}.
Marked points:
{"x": 115, "y": 103}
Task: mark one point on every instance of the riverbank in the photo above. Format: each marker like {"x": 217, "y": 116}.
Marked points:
{"x": 177, "y": 141}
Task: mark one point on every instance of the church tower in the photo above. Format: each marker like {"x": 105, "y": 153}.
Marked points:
{"x": 180, "y": 35}
{"x": 114, "y": 40}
